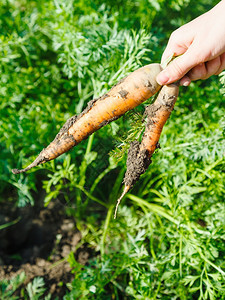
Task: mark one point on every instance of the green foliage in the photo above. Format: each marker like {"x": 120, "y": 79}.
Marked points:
{"x": 34, "y": 290}
{"x": 167, "y": 241}
{"x": 144, "y": 258}
{"x": 3, "y": 226}
{"x": 222, "y": 80}
{"x": 8, "y": 287}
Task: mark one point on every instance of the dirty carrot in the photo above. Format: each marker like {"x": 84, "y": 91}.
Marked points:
{"x": 124, "y": 96}
{"x": 139, "y": 154}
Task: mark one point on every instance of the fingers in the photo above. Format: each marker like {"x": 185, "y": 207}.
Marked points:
{"x": 197, "y": 72}
{"x": 178, "y": 68}
{"x": 185, "y": 81}
{"x": 178, "y": 43}
{"x": 205, "y": 70}
{"x": 200, "y": 47}
{"x": 222, "y": 66}
{"x": 176, "y": 51}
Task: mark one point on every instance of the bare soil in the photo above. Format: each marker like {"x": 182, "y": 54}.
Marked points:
{"x": 39, "y": 244}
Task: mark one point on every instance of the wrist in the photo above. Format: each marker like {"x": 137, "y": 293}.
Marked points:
{"x": 221, "y": 3}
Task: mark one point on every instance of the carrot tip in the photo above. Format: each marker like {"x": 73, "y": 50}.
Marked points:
{"x": 39, "y": 160}
{"x": 16, "y": 171}
{"x": 126, "y": 189}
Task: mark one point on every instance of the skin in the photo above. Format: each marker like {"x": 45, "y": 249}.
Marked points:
{"x": 201, "y": 44}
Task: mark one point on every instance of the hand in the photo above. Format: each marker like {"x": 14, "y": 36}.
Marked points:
{"x": 202, "y": 45}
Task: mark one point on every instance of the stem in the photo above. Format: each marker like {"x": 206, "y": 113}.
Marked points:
{"x": 151, "y": 232}
{"x": 83, "y": 168}
{"x": 180, "y": 254}
{"x": 107, "y": 220}
{"x": 99, "y": 178}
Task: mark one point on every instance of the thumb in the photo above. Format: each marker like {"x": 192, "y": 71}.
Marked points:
{"x": 177, "y": 68}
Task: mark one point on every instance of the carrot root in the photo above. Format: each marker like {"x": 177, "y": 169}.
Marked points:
{"x": 126, "y": 190}
{"x": 131, "y": 91}
{"x": 139, "y": 154}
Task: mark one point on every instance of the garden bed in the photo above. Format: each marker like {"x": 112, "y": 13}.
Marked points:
{"x": 39, "y": 244}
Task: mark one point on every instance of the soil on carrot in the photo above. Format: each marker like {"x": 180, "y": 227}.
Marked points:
{"x": 139, "y": 154}
{"x": 137, "y": 163}
{"x": 138, "y": 160}
{"x": 65, "y": 127}
{"x": 38, "y": 244}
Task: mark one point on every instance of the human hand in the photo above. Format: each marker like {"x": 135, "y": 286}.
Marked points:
{"x": 201, "y": 44}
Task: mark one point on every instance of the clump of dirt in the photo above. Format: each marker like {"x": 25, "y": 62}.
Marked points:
{"x": 139, "y": 154}
{"x": 39, "y": 244}
{"x": 137, "y": 163}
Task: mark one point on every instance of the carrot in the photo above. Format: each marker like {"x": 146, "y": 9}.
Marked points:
{"x": 139, "y": 154}
{"x": 125, "y": 95}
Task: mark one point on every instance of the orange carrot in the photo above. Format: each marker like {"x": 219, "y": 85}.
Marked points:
{"x": 124, "y": 96}
{"x": 139, "y": 154}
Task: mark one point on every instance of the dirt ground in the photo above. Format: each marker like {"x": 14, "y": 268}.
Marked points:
{"x": 38, "y": 245}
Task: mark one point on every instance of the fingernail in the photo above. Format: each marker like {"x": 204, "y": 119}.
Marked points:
{"x": 162, "y": 78}
{"x": 186, "y": 83}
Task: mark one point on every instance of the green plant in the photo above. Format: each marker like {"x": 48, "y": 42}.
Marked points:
{"x": 222, "y": 80}
{"x": 167, "y": 241}
{"x": 12, "y": 289}
{"x": 8, "y": 287}
{"x": 35, "y": 289}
